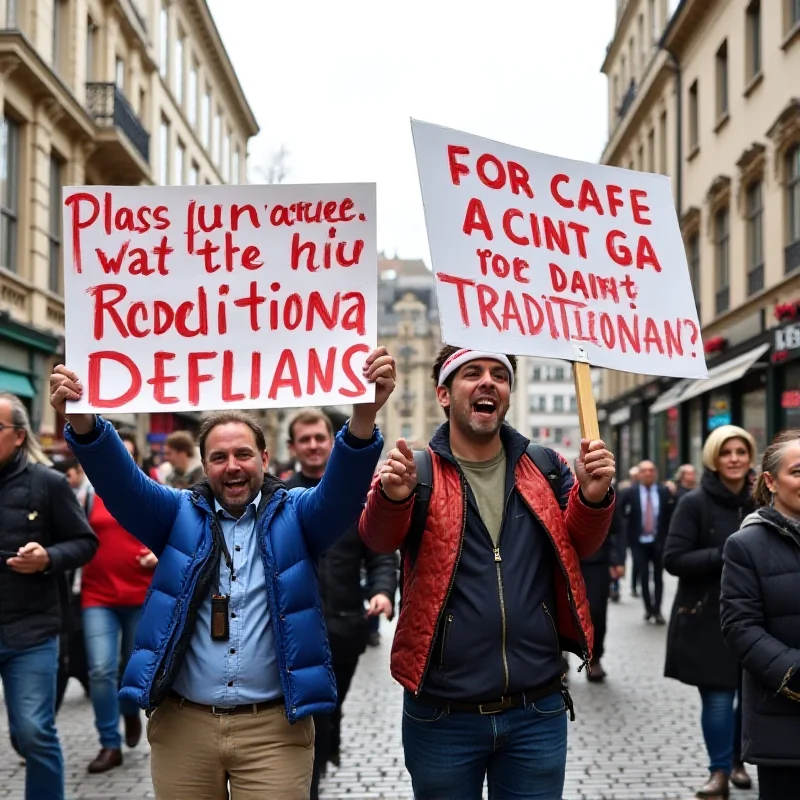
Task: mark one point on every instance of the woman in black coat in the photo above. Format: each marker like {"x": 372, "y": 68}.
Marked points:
{"x": 761, "y": 620}
{"x": 696, "y": 652}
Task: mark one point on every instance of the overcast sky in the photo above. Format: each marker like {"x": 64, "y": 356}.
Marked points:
{"x": 336, "y": 84}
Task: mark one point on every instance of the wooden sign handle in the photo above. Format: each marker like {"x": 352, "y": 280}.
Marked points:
{"x": 587, "y": 410}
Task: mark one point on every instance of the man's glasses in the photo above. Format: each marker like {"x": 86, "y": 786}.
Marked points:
{"x": 4, "y": 427}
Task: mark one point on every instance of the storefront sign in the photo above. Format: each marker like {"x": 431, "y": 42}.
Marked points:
{"x": 187, "y": 298}
{"x": 543, "y": 256}
{"x": 787, "y": 338}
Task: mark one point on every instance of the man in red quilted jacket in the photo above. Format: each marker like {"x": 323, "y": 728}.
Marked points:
{"x": 492, "y": 590}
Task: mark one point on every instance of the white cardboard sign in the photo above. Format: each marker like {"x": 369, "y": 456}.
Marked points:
{"x": 543, "y": 256}
{"x": 195, "y": 298}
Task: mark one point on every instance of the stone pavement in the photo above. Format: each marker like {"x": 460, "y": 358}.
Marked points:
{"x": 636, "y": 737}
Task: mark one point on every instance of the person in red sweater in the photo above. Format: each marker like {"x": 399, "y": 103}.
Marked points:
{"x": 113, "y": 589}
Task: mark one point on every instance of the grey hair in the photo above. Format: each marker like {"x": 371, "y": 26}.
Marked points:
{"x": 21, "y": 420}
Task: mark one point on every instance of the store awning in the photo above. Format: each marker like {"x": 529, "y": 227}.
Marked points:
{"x": 16, "y": 383}
{"x": 721, "y": 375}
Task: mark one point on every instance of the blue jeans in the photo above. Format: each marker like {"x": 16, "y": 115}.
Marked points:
{"x": 102, "y": 629}
{"x": 718, "y": 723}
{"x": 522, "y": 751}
{"x": 29, "y": 686}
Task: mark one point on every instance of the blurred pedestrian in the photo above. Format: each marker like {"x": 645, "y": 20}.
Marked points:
{"x": 231, "y": 655}
{"x": 647, "y": 508}
{"x": 685, "y": 480}
{"x": 339, "y": 574}
{"x": 43, "y": 535}
{"x": 180, "y": 452}
{"x": 761, "y": 620}
{"x": 696, "y": 652}
{"x": 492, "y": 588}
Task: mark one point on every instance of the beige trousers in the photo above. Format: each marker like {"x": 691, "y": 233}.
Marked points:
{"x": 196, "y": 755}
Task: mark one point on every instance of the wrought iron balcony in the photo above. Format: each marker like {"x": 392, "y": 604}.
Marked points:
{"x": 755, "y": 279}
{"x": 792, "y": 256}
{"x": 627, "y": 100}
{"x": 109, "y": 108}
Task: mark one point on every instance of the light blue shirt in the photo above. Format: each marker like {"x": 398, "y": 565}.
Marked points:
{"x": 648, "y": 537}
{"x": 245, "y": 668}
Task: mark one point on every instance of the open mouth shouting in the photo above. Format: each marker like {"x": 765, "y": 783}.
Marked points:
{"x": 236, "y": 487}
{"x": 484, "y": 408}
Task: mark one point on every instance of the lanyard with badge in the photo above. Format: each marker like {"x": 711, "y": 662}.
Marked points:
{"x": 220, "y": 619}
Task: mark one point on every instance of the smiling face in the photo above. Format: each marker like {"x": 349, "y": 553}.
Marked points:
{"x": 234, "y": 466}
{"x": 478, "y": 398}
{"x": 311, "y": 445}
{"x": 733, "y": 461}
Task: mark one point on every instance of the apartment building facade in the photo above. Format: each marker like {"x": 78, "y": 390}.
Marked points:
{"x": 706, "y": 91}
{"x": 98, "y": 92}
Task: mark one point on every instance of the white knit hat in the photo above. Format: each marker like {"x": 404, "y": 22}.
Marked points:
{"x": 461, "y": 357}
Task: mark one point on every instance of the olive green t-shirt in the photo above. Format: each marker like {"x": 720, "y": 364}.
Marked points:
{"x": 487, "y": 479}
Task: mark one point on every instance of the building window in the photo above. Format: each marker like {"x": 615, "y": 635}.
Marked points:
{"x": 164, "y": 154}
{"x": 59, "y": 32}
{"x": 651, "y": 151}
{"x": 119, "y": 73}
{"x": 194, "y": 174}
{"x": 558, "y": 403}
{"x": 163, "y": 66}
{"x": 755, "y": 240}
{"x": 180, "y": 158}
{"x": 54, "y": 233}
{"x": 178, "y": 72}
{"x": 794, "y": 13}
{"x": 623, "y": 73}
{"x": 559, "y": 374}
{"x": 236, "y": 165}
{"x": 9, "y": 191}
{"x": 694, "y": 117}
{"x": 793, "y": 192}
{"x": 722, "y": 258}
{"x": 642, "y": 48}
{"x": 536, "y": 433}
{"x": 632, "y": 57}
{"x": 693, "y": 260}
{"x": 193, "y": 93}
{"x": 662, "y": 143}
{"x": 573, "y": 403}
{"x": 641, "y": 158}
{"x": 91, "y": 49}
{"x": 754, "y": 39}
{"x": 205, "y": 121}
{"x": 226, "y": 156}
{"x": 216, "y": 141}
{"x": 537, "y": 373}
{"x": 655, "y": 28}
{"x": 722, "y": 80}
{"x": 537, "y": 402}
{"x": 558, "y": 435}
{"x": 11, "y": 14}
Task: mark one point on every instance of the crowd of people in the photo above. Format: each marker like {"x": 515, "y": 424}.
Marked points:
{"x": 232, "y": 604}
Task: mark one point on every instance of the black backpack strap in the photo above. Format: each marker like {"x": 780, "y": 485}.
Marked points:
{"x": 552, "y": 471}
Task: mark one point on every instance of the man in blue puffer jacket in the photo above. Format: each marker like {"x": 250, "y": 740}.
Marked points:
{"x": 231, "y": 655}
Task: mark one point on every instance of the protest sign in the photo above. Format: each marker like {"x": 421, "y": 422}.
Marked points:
{"x": 192, "y": 298}
{"x": 543, "y": 256}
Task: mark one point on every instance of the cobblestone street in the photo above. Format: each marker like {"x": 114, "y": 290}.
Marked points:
{"x": 636, "y": 737}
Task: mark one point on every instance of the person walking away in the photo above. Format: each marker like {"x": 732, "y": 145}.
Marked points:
{"x": 231, "y": 657}
{"x": 114, "y": 586}
{"x": 72, "y": 651}
{"x": 180, "y": 453}
{"x": 339, "y": 574}
{"x": 43, "y": 536}
{"x": 761, "y": 620}
{"x": 492, "y": 588}
{"x": 598, "y": 570}
{"x": 646, "y": 508}
{"x": 696, "y": 652}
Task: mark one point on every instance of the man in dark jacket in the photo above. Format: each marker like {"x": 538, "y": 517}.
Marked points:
{"x": 492, "y": 589}
{"x": 606, "y": 565}
{"x": 231, "y": 654}
{"x": 43, "y": 535}
{"x": 647, "y": 507}
{"x": 339, "y": 575}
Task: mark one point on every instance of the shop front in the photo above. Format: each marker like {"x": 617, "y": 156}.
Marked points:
{"x": 786, "y": 366}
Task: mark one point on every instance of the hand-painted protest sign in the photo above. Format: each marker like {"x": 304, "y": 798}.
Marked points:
{"x": 543, "y": 256}
{"x": 191, "y": 298}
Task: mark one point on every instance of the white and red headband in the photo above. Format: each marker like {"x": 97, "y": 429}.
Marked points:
{"x": 461, "y": 357}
